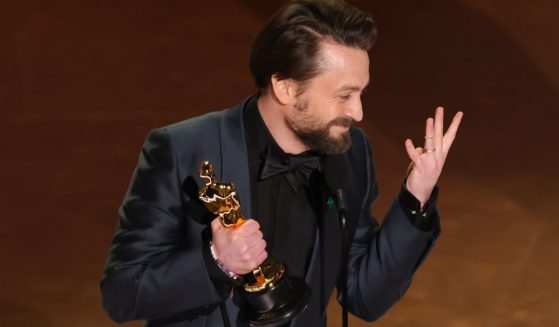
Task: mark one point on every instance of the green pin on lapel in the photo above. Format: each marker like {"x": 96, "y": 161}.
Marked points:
{"x": 330, "y": 202}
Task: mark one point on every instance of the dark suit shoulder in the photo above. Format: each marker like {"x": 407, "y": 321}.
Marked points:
{"x": 194, "y": 126}
{"x": 197, "y": 131}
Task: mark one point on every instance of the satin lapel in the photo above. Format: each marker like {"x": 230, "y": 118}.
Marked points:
{"x": 354, "y": 201}
{"x": 234, "y": 162}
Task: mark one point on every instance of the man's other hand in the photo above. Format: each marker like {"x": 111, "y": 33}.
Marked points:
{"x": 428, "y": 162}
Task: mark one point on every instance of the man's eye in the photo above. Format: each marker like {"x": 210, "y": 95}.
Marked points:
{"x": 345, "y": 97}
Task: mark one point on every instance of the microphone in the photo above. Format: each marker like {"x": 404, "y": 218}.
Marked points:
{"x": 340, "y": 200}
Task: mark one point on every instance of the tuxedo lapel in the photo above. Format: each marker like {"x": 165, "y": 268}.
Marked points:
{"x": 234, "y": 160}
{"x": 354, "y": 203}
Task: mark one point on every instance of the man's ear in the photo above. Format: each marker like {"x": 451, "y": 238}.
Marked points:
{"x": 284, "y": 90}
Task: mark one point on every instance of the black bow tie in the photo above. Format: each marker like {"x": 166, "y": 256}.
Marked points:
{"x": 297, "y": 169}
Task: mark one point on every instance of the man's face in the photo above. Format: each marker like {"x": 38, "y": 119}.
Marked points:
{"x": 331, "y": 101}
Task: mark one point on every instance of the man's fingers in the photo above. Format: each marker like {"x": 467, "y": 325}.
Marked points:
{"x": 216, "y": 224}
{"x": 419, "y": 152}
{"x": 452, "y": 130}
{"x": 429, "y": 134}
{"x": 412, "y": 152}
{"x": 257, "y": 246}
{"x": 260, "y": 258}
{"x": 250, "y": 227}
{"x": 439, "y": 124}
{"x": 256, "y": 240}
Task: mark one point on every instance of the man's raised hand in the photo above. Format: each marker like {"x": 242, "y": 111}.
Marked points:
{"x": 428, "y": 161}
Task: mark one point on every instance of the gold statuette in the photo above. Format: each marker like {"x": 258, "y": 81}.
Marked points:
{"x": 275, "y": 298}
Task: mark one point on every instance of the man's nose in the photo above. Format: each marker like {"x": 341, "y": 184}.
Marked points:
{"x": 355, "y": 110}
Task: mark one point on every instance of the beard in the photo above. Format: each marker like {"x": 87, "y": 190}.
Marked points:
{"x": 316, "y": 136}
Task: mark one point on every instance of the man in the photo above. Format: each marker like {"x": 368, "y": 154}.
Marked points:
{"x": 169, "y": 266}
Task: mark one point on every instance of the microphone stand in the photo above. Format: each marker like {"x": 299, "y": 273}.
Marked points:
{"x": 342, "y": 213}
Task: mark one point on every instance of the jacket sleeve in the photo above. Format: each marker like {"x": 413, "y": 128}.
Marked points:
{"x": 383, "y": 258}
{"x": 156, "y": 266}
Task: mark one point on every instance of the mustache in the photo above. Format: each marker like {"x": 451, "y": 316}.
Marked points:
{"x": 342, "y": 121}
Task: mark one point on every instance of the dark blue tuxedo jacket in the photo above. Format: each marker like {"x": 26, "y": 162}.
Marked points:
{"x": 156, "y": 269}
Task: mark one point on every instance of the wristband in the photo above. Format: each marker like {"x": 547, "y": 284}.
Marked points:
{"x": 221, "y": 266}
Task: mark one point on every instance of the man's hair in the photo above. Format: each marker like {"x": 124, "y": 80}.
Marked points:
{"x": 289, "y": 44}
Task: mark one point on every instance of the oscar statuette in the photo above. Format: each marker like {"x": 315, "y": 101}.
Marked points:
{"x": 274, "y": 297}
